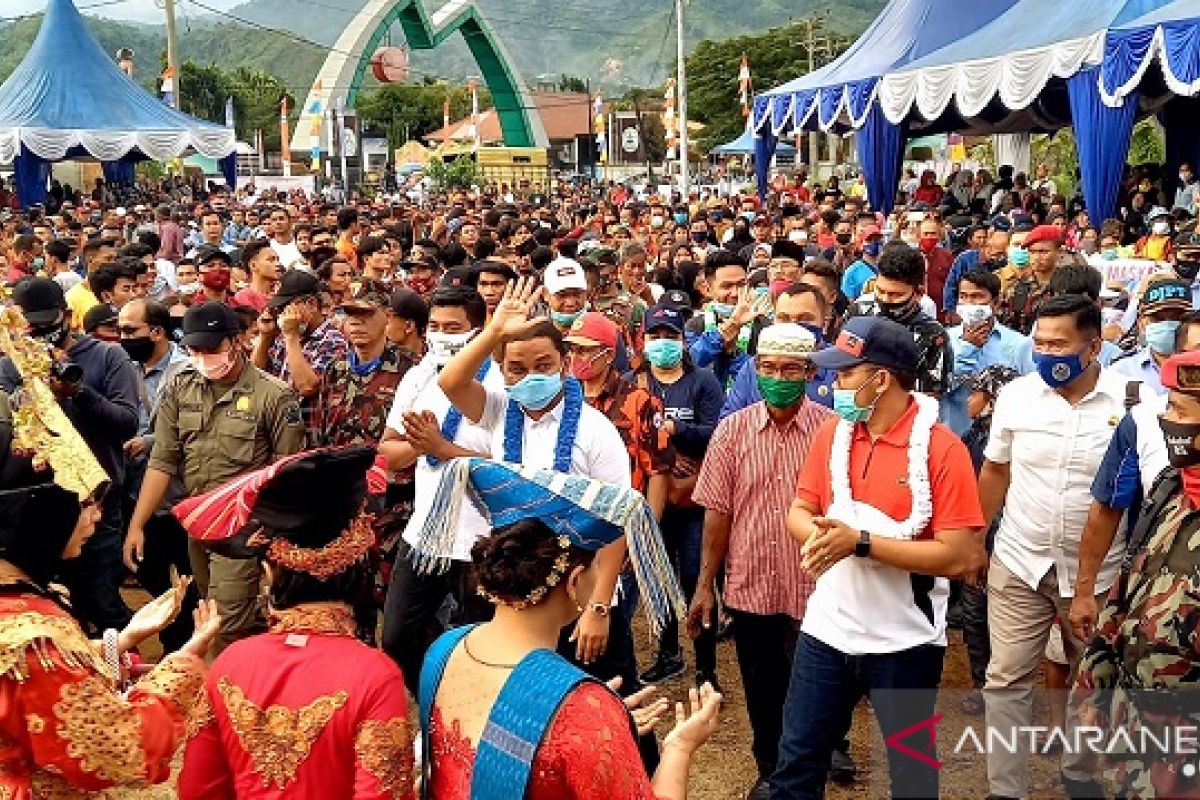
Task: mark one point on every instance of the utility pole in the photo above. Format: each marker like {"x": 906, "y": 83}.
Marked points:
{"x": 681, "y": 92}
{"x": 814, "y": 144}
{"x": 173, "y": 53}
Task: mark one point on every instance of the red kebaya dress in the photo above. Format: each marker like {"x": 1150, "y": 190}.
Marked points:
{"x": 303, "y": 711}
{"x": 588, "y": 754}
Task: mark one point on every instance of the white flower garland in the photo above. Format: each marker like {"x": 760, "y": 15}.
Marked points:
{"x": 918, "y": 468}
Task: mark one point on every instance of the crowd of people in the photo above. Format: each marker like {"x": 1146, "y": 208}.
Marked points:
{"x": 383, "y": 452}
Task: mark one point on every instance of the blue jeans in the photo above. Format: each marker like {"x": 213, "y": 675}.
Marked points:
{"x": 683, "y": 535}
{"x": 826, "y": 684}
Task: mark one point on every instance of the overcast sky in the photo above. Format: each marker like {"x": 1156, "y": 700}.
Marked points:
{"x": 141, "y": 10}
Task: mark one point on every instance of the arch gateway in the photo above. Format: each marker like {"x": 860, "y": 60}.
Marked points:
{"x": 342, "y": 73}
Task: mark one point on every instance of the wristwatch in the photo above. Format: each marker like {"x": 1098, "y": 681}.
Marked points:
{"x": 862, "y": 548}
{"x": 599, "y": 609}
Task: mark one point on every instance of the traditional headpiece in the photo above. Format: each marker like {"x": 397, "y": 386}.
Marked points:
{"x": 41, "y": 428}
{"x": 583, "y": 512}
{"x": 304, "y": 511}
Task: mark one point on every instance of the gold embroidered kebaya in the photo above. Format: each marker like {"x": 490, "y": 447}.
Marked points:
{"x": 99, "y": 730}
{"x": 335, "y": 620}
{"x": 31, "y": 632}
{"x": 384, "y": 748}
{"x": 177, "y": 679}
{"x": 200, "y": 716}
{"x": 277, "y": 738}
{"x": 324, "y": 562}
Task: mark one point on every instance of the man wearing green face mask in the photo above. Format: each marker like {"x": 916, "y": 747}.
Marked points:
{"x": 745, "y": 486}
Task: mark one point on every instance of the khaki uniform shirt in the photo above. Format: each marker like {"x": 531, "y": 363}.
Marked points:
{"x": 207, "y": 433}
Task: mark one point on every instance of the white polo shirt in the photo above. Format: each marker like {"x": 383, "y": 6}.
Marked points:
{"x": 598, "y": 451}
{"x": 419, "y": 391}
{"x": 1054, "y": 450}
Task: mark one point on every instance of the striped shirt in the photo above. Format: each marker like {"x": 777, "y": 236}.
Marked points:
{"x": 749, "y": 474}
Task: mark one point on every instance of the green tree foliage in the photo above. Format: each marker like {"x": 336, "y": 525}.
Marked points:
{"x": 397, "y": 109}
{"x": 461, "y": 173}
{"x": 572, "y": 83}
{"x": 777, "y": 56}
{"x": 256, "y": 99}
{"x": 1148, "y": 145}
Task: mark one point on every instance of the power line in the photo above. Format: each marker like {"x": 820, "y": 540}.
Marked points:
{"x": 89, "y": 6}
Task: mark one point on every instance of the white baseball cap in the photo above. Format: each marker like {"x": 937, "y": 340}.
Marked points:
{"x": 563, "y": 274}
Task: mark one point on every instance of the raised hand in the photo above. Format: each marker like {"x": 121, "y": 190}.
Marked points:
{"x": 158, "y": 613}
{"x": 511, "y": 316}
{"x": 693, "y": 727}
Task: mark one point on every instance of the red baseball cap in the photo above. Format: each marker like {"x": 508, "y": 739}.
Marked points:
{"x": 1043, "y": 233}
{"x": 593, "y": 329}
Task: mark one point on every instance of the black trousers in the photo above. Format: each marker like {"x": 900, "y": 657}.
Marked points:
{"x": 167, "y": 546}
{"x": 410, "y": 613}
{"x": 94, "y": 578}
{"x": 765, "y": 646}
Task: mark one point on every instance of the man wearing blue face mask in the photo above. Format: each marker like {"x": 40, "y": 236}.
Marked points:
{"x": 1049, "y": 434}
{"x": 541, "y": 419}
{"x": 866, "y": 267}
{"x": 1163, "y": 303}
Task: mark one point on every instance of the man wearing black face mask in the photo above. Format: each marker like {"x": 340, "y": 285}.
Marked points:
{"x": 144, "y": 325}
{"x": 1147, "y": 628}
{"x": 897, "y": 296}
{"x": 97, "y": 388}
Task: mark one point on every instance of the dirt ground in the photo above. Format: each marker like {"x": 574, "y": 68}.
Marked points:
{"x": 724, "y": 768}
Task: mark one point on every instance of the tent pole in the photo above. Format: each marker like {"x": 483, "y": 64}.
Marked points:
{"x": 173, "y": 53}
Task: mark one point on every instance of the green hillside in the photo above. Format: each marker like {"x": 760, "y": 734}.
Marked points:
{"x": 632, "y": 38}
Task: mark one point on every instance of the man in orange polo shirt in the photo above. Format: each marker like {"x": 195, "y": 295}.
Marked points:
{"x": 885, "y": 502}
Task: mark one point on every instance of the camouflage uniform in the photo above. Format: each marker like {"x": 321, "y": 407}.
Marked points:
{"x": 350, "y": 409}
{"x": 937, "y": 357}
{"x": 1019, "y": 304}
{"x": 1142, "y": 667}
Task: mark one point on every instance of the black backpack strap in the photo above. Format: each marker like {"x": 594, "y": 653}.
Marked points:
{"x": 1133, "y": 394}
{"x": 1165, "y": 486}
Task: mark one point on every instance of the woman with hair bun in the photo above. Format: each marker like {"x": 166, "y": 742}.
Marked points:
{"x": 503, "y": 716}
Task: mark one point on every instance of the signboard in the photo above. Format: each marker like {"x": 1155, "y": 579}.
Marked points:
{"x": 628, "y": 137}
{"x": 1129, "y": 272}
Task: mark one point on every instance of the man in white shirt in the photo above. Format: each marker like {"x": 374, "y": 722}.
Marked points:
{"x": 279, "y": 223}
{"x": 1049, "y": 434}
{"x": 540, "y": 419}
{"x": 423, "y": 433}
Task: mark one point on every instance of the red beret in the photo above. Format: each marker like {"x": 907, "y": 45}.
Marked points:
{"x": 1044, "y": 233}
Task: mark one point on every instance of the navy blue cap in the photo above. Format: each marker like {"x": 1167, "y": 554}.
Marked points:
{"x": 662, "y": 316}
{"x": 871, "y": 340}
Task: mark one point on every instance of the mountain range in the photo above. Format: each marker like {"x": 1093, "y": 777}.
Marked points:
{"x": 626, "y": 43}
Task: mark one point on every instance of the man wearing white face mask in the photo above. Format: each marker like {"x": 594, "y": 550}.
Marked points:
{"x": 979, "y": 342}
{"x": 217, "y": 420}
{"x": 423, "y": 432}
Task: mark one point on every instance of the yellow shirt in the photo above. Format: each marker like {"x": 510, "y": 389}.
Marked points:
{"x": 80, "y": 300}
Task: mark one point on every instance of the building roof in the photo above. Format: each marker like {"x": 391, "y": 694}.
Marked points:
{"x": 565, "y": 115}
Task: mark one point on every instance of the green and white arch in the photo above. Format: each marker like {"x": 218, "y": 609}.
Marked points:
{"x": 342, "y": 73}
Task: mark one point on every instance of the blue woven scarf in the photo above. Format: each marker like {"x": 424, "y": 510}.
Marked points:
{"x": 453, "y": 420}
{"x": 514, "y": 427}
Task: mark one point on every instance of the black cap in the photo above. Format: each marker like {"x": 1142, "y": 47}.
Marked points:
{"x": 206, "y": 253}
{"x": 426, "y": 262}
{"x": 456, "y": 276}
{"x": 677, "y": 299}
{"x": 207, "y": 325}
{"x": 294, "y": 284}
{"x": 663, "y": 316}
{"x": 407, "y": 304}
{"x": 871, "y": 340}
{"x": 493, "y": 267}
{"x": 102, "y": 314}
{"x": 41, "y": 300}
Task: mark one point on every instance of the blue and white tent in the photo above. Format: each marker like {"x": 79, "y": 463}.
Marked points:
{"x": 744, "y": 145}
{"x": 69, "y": 100}
{"x": 842, "y": 95}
